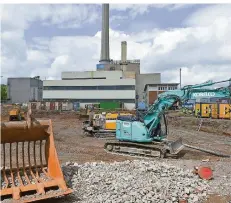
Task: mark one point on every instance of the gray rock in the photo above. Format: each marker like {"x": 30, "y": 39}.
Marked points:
{"x": 132, "y": 181}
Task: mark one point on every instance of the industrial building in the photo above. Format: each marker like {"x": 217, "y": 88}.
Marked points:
{"x": 91, "y": 87}
{"x": 131, "y": 69}
{"x": 151, "y": 91}
{"x": 122, "y": 76}
{"x": 24, "y": 89}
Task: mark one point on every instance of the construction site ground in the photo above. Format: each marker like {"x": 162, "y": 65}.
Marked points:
{"x": 215, "y": 134}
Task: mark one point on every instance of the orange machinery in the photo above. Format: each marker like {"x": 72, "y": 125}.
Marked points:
{"x": 29, "y": 161}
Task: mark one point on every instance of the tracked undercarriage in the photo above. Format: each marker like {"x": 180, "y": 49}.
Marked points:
{"x": 155, "y": 149}
{"x": 100, "y": 133}
{"x": 166, "y": 149}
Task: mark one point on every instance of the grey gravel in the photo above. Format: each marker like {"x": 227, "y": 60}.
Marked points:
{"x": 134, "y": 181}
{"x": 221, "y": 182}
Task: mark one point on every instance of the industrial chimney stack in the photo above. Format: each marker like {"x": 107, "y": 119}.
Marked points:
{"x": 105, "y": 55}
{"x": 123, "y": 51}
{"x": 123, "y": 55}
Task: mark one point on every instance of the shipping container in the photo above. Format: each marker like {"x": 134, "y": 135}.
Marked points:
{"x": 205, "y": 110}
{"x": 47, "y": 106}
{"x": 60, "y": 106}
{"x": 70, "y": 106}
{"x": 215, "y": 110}
{"x": 225, "y": 111}
{"x": 56, "y": 106}
{"x": 43, "y": 106}
{"x": 64, "y": 106}
{"x": 76, "y": 106}
{"x": 52, "y": 106}
{"x": 110, "y": 105}
{"x": 33, "y": 105}
{"x": 38, "y": 106}
{"x": 197, "y": 108}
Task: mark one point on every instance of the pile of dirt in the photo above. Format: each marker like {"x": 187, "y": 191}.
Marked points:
{"x": 218, "y": 126}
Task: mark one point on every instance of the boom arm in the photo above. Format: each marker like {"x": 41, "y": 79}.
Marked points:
{"x": 167, "y": 99}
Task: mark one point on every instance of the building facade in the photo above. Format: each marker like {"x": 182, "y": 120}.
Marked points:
{"x": 142, "y": 80}
{"x": 151, "y": 91}
{"x": 131, "y": 69}
{"x": 23, "y": 90}
{"x": 91, "y": 87}
{"x": 117, "y": 65}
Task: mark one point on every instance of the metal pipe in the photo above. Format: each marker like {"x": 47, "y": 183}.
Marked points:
{"x": 207, "y": 151}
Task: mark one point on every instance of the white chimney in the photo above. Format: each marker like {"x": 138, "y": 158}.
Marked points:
{"x": 124, "y": 55}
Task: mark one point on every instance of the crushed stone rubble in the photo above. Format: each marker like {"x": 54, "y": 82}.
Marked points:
{"x": 133, "y": 181}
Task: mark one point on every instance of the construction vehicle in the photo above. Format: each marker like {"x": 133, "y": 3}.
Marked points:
{"x": 101, "y": 125}
{"x": 30, "y": 168}
{"x": 148, "y": 136}
{"x": 16, "y": 114}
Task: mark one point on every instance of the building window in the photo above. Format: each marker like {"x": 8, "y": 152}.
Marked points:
{"x": 116, "y": 87}
{"x": 91, "y": 100}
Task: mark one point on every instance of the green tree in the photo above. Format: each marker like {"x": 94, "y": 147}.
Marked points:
{"x": 3, "y": 92}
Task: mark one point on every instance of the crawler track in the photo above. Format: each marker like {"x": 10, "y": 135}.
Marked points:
{"x": 104, "y": 135}
{"x": 155, "y": 150}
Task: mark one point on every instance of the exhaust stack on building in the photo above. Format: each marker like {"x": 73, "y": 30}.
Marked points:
{"x": 124, "y": 55}
{"x": 124, "y": 51}
{"x": 105, "y": 54}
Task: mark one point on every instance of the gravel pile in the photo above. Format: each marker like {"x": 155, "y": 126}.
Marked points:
{"x": 133, "y": 181}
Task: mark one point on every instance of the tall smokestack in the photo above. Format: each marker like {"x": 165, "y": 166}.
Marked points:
{"x": 123, "y": 51}
{"x": 105, "y": 55}
{"x": 123, "y": 55}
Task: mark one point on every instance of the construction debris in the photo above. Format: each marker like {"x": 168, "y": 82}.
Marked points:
{"x": 134, "y": 181}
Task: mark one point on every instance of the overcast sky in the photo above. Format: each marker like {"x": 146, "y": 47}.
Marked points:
{"x": 48, "y": 39}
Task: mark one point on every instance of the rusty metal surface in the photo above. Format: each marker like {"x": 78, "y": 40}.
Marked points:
{"x": 30, "y": 162}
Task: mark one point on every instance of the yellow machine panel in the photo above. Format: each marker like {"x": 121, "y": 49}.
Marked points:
{"x": 215, "y": 110}
{"x": 205, "y": 110}
{"x": 225, "y": 111}
{"x": 197, "y": 108}
{"x": 111, "y": 120}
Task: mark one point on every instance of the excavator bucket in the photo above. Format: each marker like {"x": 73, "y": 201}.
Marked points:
{"x": 30, "y": 168}
{"x": 175, "y": 146}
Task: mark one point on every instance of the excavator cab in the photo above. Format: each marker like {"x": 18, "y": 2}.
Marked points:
{"x": 161, "y": 131}
{"x": 30, "y": 168}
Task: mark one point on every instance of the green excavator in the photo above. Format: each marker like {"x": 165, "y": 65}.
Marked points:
{"x": 148, "y": 136}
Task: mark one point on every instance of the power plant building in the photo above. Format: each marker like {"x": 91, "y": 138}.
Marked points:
{"x": 113, "y": 81}
{"x": 91, "y": 87}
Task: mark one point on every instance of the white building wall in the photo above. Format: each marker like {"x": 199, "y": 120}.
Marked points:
{"x": 92, "y": 74}
{"x": 89, "y": 94}
{"x": 90, "y": 82}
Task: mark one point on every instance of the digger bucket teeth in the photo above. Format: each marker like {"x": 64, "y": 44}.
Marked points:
{"x": 30, "y": 168}
{"x": 176, "y": 146}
